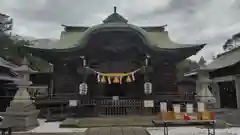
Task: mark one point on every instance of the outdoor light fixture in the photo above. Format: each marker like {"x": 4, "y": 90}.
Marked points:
{"x": 83, "y": 61}
{"x": 147, "y": 60}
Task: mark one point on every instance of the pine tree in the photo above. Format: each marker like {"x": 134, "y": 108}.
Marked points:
{"x": 232, "y": 43}
{"x": 10, "y": 47}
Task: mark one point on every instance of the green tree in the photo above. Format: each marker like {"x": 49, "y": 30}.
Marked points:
{"x": 11, "y": 45}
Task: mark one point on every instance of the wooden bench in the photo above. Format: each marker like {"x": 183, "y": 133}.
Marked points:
{"x": 209, "y": 124}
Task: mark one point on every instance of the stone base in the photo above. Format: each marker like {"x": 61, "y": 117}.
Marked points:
{"x": 21, "y": 121}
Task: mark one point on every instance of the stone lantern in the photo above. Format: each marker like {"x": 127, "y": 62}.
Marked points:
{"x": 203, "y": 92}
{"x": 21, "y": 113}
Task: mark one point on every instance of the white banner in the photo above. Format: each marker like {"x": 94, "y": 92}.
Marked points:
{"x": 148, "y": 103}
{"x": 72, "y": 103}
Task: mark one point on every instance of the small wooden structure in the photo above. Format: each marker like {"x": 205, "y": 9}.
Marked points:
{"x": 190, "y": 116}
{"x": 176, "y": 123}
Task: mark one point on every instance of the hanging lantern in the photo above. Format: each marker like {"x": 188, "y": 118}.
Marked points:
{"x": 147, "y": 88}
{"x": 83, "y": 88}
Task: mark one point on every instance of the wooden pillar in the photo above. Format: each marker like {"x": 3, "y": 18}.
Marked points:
{"x": 51, "y": 85}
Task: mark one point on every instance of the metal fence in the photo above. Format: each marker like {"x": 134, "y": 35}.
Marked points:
{"x": 117, "y": 107}
{"x": 128, "y": 107}
{"x": 123, "y": 107}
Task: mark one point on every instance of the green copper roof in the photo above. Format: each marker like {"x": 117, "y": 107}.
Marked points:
{"x": 156, "y": 39}
{"x": 69, "y": 39}
{"x": 225, "y": 60}
{"x": 115, "y": 18}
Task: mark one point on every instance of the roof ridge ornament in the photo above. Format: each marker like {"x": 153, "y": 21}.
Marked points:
{"x": 115, "y": 18}
{"x": 115, "y": 9}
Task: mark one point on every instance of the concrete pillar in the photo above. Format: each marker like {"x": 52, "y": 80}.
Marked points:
{"x": 237, "y": 85}
{"x": 216, "y": 94}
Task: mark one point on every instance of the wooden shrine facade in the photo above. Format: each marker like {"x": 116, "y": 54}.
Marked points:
{"x": 115, "y": 58}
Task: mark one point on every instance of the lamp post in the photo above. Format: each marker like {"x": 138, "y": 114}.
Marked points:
{"x": 147, "y": 84}
{"x": 83, "y": 87}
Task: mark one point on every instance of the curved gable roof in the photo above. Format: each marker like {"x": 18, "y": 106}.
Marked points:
{"x": 157, "y": 39}
{"x": 73, "y": 39}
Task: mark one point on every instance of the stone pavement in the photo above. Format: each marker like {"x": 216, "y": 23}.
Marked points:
{"x": 230, "y": 116}
{"x": 127, "y": 121}
{"x": 52, "y": 128}
{"x": 126, "y": 126}
{"x": 117, "y": 131}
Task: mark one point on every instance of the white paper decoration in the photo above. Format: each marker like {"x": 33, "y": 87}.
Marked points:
{"x": 83, "y": 88}
{"x": 148, "y": 103}
{"x": 147, "y": 88}
{"x": 72, "y": 103}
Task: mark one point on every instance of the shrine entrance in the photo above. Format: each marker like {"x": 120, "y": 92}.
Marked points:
{"x": 125, "y": 90}
{"x": 228, "y": 98}
{"x": 117, "y": 59}
{"x": 115, "y": 90}
{"x": 118, "y": 99}
{"x": 117, "y": 62}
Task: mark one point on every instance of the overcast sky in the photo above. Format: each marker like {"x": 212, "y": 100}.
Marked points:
{"x": 189, "y": 21}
